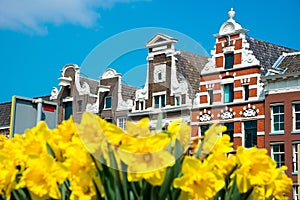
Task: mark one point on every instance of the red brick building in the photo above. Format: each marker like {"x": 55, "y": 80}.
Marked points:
{"x": 231, "y": 91}
{"x": 282, "y": 113}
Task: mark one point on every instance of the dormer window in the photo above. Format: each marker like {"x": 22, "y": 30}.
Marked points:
{"x": 177, "y": 100}
{"x": 229, "y": 60}
{"x": 107, "y": 102}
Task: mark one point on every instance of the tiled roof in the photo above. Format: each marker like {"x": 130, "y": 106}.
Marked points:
{"x": 290, "y": 63}
{"x": 266, "y": 53}
{"x": 5, "y": 114}
{"x": 128, "y": 92}
{"x": 94, "y": 84}
{"x": 190, "y": 65}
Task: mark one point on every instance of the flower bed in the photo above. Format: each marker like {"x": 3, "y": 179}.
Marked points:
{"x": 97, "y": 160}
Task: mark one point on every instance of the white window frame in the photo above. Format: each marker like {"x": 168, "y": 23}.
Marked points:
{"x": 160, "y": 102}
{"x": 277, "y": 153}
{"x": 272, "y": 119}
{"x": 122, "y": 122}
{"x": 294, "y": 116}
{"x": 295, "y": 191}
{"x": 105, "y": 108}
{"x": 295, "y": 157}
{"x": 180, "y": 100}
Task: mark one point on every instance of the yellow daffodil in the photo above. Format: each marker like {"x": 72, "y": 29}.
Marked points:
{"x": 255, "y": 168}
{"x": 8, "y": 174}
{"x": 198, "y": 180}
{"x": 41, "y": 177}
{"x": 83, "y": 188}
{"x": 139, "y": 129}
{"x": 3, "y": 140}
{"x": 147, "y": 158}
{"x": 181, "y": 132}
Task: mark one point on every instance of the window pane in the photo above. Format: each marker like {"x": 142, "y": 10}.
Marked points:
{"x": 297, "y": 107}
{"x": 68, "y": 110}
{"x": 297, "y": 125}
{"x": 156, "y": 102}
{"x": 228, "y": 93}
{"x": 276, "y": 127}
{"x": 276, "y": 109}
{"x": 230, "y": 130}
{"x": 276, "y": 118}
{"x": 281, "y": 109}
{"x": 246, "y": 91}
{"x": 297, "y": 116}
{"x": 108, "y": 102}
{"x": 250, "y": 133}
{"x": 204, "y": 128}
{"x": 163, "y": 104}
{"x": 229, "y": 60}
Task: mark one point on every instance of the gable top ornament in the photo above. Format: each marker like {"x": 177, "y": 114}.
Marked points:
{"x": 231, "y": 26}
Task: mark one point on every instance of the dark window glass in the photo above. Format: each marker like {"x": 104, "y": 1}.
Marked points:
{"x": 230, "y": 130}
{"x": 229, "y": 60}
{"x": 250, "y": 128}
{"x": 297, "y": 116}
{"x": 246, "y": 92}
{"x": 204, "y": 128}
{"x": 108, "y": 102}
{"x": 156, "y": 102}
{"x": 68, "y": 110}
{"x": 211, "y": 97}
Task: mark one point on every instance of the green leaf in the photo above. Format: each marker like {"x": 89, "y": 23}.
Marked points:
{"x": 50, "y": 150}
{"x": 159, "y": 122}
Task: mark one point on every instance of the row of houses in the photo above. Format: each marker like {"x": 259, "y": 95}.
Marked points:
{"x": 249, "y": 85}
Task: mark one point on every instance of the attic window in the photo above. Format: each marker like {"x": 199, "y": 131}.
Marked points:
{"x": 159, "y": 76}
{"x": 229, "y": 60}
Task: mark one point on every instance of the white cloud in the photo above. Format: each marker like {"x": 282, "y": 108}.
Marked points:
{"x": 34, "y": 15}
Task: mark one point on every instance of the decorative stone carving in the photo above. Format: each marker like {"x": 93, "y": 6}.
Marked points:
{"x": 227, "y": 114}
{"x": 54, "y": 93}
{"x": 159, "y": 73}
{"x": 249, "y": 111}
{"x": 205, "y": 116}
{"x": 92, "y": 108}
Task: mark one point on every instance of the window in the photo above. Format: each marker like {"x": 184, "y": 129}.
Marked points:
{"x": 230, "y": 130}
{"x": 159, "y": 76}
{"x": 204, "y": 128}
{"x": 122, "y": 122}
{"x": 107, "y": 103}
{"x": 278, "y": 118}
{"x": 141, "y": 105}
{"x": 229, "y": 60}
{"x": 295, "y": 158}
{"x": 246, "y": 92}
{"x": 159, "y": 101}
{"x": 295, "y": 192}
{"x": 250, "y": 130}
{"x": 210, "y": 96}
{"x": 277, "y": 152}
{"x": 109, "y": 120}
{"x": 68, "y": 109}
{"x": 297, "y": 117}
{"x": 228, "y": 93}
{"x": 79, "y": 106}
{"x": 177, "y": 100}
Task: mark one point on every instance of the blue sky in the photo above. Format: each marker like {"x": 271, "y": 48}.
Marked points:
{"x": 39, "y": 37}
